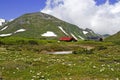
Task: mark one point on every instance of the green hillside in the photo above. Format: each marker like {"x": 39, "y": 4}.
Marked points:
{"x": 34, "y": 25}
{"x": 114, "y": 38}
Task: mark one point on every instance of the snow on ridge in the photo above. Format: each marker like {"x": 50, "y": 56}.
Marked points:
{"x": 81, "y": 37}
{"x": 74, "y": 36}
{"x": 20, "y": 30}
{"x": 63, "y": 30}
{"x": 4, "y": 28}
{"x": 85, "y": 32}
{"x": 4, "y": 35}
{"x": 9, "y": 34}
{"x": 49, "y": 34}
{"x": 2, "y": 21}
{"x": 11, "y": 20}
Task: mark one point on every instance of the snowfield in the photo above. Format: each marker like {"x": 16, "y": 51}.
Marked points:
{"x": 2, "y": 21}
{"x": 20, "y": 30}
{"x": 85, "y": 32}
{"x": 49, "y": 34}
{"x": 81, "y": 37}
{"x": 74, "y": 36}
{"x": 63, "y": 30}
{"x": 4, "y": 35}
{"x": 4, "y": 28}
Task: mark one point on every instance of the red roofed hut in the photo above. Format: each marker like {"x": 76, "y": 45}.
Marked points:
{"x": 67, "y": 39}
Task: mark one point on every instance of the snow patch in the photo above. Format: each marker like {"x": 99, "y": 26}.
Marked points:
{"x": 81, "y": 37}
{"x": 62, "y": 30}
{"x": 4, "y": 28}
{"x": 11, "y": 20}
{"x": 91, "y": 31}
{"x": 49, "y": 34}
{"x": 85, "y": 32}
{"x": 2, "y": 21}
{"x": 74, "y": 36}
{"x": 4, "y": 35}
{"x": 20, "y": 30}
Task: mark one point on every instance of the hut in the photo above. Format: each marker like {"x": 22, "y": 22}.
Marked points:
{"x": 67, "y": 39}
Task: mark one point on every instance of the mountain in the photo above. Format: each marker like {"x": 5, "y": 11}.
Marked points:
{"x": 114, "y": 38}
{"x": 2, "y": 21}
{"x": 41, "y": 25}
{"x": 106, "y": 35}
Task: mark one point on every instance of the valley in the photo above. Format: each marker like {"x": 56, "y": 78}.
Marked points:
{"x": 38, "y": 46}
{"x": 24, "y": 59}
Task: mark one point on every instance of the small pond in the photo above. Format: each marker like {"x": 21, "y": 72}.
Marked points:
{"x": 60, "y": 52}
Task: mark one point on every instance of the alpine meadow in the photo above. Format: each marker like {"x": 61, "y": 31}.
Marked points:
{"x": 47, "y": 46}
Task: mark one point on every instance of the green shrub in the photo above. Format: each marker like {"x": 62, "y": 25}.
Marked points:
{"x": 83, "y": 51}
{"x": 33, "y": 42}
{"x": 101, "y": 47}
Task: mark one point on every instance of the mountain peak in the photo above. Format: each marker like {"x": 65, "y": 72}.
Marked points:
{"x": 41, "y": 25}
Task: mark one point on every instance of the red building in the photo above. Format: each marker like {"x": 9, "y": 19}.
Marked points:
{"x": 67, "y": 39}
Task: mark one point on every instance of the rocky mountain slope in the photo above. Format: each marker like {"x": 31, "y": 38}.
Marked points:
{"x": 40, "y": 25}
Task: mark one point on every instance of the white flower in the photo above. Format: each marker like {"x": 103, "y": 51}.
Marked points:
{"x": 68, "y": 73}
{"x": 94, "y": 66}
{"x": 13, "y": 72}
{"x": 17, "y": 68}
{"x": 3, "y": 67}
{"x": 69, "y": 64}
{"x": 42, "y": 76}
{"x": 101, "y": 70}
{"x": 70, "y": 78}
{"x": 38, "y": 74}
{"x": 34, "y": 76}
{"x": 103, "y": 65}
{"x": 112, "y": 69}
{"x": 63, "y": 63}
{"x": 117, "y": 78}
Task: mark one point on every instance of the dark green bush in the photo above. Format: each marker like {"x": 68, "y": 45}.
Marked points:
{"x": 101, "y": 47}
{"x": 83, "y": 51}
{"x": 33, "y": 42}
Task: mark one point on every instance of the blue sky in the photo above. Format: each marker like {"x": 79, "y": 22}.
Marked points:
{"x": 13, "y": 8}
{"x": 100, "y": 2}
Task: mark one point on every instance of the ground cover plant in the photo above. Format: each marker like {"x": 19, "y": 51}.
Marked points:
{"x": 31, "y": 61}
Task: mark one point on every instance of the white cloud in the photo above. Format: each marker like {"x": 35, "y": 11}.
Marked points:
{"x": 84, "y": 13}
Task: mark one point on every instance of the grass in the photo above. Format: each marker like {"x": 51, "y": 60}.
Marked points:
{"x": 29, "y": 62}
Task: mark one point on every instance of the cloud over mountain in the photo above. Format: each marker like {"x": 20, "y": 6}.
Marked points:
{"x": 102, "y": 19}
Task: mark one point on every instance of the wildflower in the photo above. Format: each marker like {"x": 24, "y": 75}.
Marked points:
{"x": 69, "y": 64}
{"x": 74, "y": 64}
{"x": 108, "y": 66}
{"x": 94, "y": 67}
{"x": 112, "y": 69}
{"x": 17, "y": 68}
{"x": 3, "y": 68}
{"x": 117, "y": 78}
{"x": 13, "y": 72}
{"x": 31, "y": 71}
{"x": 70, "y": 78}
{"x": 34, "y": 76}
{"x": 68, "y": 73}
{"x": 42, "y": 76}
{"x": 103, "y": 65}
{"x": 101, "y": 70}
{"x": 63, "y": 63}
{"x": 38, "y": 74}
